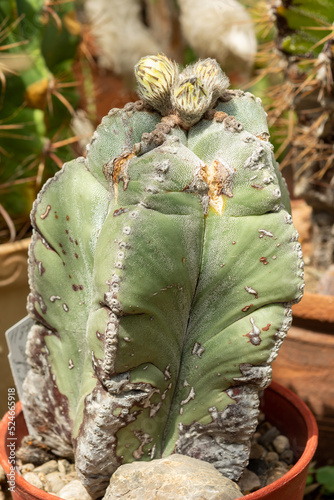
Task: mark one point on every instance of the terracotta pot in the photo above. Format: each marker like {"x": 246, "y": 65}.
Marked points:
{"x": 13, "y": 299}
{"x": 283, "y": 408}
{"x": 305, "y": 364}
{"x": 293, "y": 418}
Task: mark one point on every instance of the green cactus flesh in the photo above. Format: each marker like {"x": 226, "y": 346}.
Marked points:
{"x": 161, "y": 282}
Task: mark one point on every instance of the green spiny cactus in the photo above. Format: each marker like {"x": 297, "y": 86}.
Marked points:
{"x": 162, "y": 269}
{"x": 305, "y": 39}
{"x": 298, "y": 65}
{"x": 39, "y": 41}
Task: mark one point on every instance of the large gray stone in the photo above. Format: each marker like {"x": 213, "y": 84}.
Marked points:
{"x": 177, "y": 477}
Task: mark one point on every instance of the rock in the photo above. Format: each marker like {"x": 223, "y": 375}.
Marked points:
{"x": 271, "y": 457}
{"x": 249, "y": 482}
{"x": 258, "y": 466}
{"x": 287, "y": 457}
{"x": 281, "y": 443}
{"x": 33, "y": 479}
{"x": 280, "y": 469}
{"x": 47, "y": 467}
{"x": 268, "y": 437}
{"x": 256, "y": 437}
{"x": 177, "y": 477}
{"x": 64, "y": 466}
{"x": 42, "y": 477}
{"x": 74, "y": 491}
{"x": 2, "y": 475}
{"x": 257, "y": 451}
{"x": 55, "y": 481}
{"x": 71, "y": 477}
{"x": 26, "y": 468}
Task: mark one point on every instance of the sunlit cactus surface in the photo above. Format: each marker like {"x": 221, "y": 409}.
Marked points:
{"x": 162, "y": 270}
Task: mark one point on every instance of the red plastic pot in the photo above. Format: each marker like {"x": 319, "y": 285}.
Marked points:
{"x": 282, "y": 408}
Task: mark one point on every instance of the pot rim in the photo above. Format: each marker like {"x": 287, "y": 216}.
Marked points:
{"x": 301, "y": 464}
{"x": 19, "y": 479}
{"x": 310, "y": 447}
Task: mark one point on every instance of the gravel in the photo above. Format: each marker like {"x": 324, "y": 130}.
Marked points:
{"x": 271, "y": 457}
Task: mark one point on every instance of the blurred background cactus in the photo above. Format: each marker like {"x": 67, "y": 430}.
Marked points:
{"x": 175, "y": 28}
{"x": 294, "y": 76}
{"x": 39, "y": 96}
{"x": 295, "y": 69}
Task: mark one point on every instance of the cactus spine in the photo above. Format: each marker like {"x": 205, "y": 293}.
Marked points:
{"x": 37, "y": 100}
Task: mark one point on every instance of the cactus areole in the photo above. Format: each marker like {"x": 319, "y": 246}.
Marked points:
{"x": 162, "y": 269}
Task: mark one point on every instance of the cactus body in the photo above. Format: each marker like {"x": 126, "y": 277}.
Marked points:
{"x": 156, "y": 283}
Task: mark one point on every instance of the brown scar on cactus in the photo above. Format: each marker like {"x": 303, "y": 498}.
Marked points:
{"x": 251, "y": 291}
{"x": 46, "y": 213}
{"x": 219, "y": 179}
{"x": 198, "y": 350}
{"x": 264, "y": 232}
{"x": 116, "y": 171}
{"x": 254, "y": 334}
{"x": 120, "y": 211}
{"x": 246, "y": 308}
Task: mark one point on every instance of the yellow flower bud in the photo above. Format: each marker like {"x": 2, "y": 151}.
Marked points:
{"x": 190, "y": 99}
{"x": 211, "y": 75}
{"x": 155, "y": 76}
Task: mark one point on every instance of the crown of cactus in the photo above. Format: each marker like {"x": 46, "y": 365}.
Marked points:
{"x": 37, "y": 99}
{"x": 162, "y": 269}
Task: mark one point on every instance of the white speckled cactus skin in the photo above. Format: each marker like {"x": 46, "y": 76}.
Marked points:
{"x": 162, "y": 270}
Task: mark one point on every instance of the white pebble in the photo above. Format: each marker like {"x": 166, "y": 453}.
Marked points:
{"x": 281, "y": 443}
{"x": 74, "y": 491}
{"x": 48, "y": 467}
{"x": 33, "y": 479}
{"x": 55, "y": 482}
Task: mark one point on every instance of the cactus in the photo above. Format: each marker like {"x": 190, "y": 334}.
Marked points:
{"x": 37, "y": 100}
{"x": 162, "y": 269}
{"x": 305, "y": 42}
{"x": 300, "y": 64}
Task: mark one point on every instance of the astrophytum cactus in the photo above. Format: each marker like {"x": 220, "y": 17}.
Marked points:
{"x": 162, "y": 270}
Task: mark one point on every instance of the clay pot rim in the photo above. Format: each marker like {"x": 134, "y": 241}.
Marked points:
{"x": 19, "y": 480}
{"x": 310, "y": 448}
{"x": 302, "y": 463}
